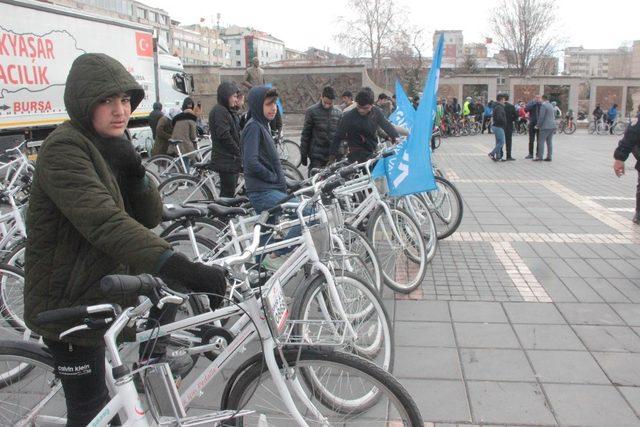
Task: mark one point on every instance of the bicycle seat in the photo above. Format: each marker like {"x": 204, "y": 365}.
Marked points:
{"x": 175, "y": 141}
{"x": 224, "y": 211}
{"x": 175, "y": 212}
{"x": 231, "y": 201}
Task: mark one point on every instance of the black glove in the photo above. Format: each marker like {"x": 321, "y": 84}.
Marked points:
{"x": 304, "y": 161}
{"x": 125, "y": 159}
{"x": 196, "y": 277}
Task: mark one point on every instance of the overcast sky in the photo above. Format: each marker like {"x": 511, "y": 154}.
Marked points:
{"x": 301, "y": 24}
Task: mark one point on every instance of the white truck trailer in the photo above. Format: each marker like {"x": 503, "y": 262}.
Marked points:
{"x": 38, "y": 44}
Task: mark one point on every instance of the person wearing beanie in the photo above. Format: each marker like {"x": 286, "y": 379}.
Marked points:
{"x": 91, "y": 211}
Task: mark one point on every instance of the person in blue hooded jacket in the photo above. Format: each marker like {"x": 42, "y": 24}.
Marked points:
{"x": 263, "y": 177}
{"x": 612, "y": 115}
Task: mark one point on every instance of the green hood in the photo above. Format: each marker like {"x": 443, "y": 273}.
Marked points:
{"x": 93, "y": 77}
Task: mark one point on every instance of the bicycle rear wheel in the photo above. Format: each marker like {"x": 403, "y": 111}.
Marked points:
{"x": 447, "y": 207}
{"x": 357, "y": 244}
{"x": 344, "y": 388}
{"x": 570, "y": 127}
{"x": 12, "y": 300}
{"x": 163, "y": 167}
{"x": 293, "y": 152}
{"x": 182, "y": 189}
{"x": 290, "y": 171}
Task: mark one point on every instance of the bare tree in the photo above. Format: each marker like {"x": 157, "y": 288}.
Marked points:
{"x": 469, "y": 65}
{"x": 370, "y": 29}
{"x": 524, "y": 29}
{"x": 407, "y": 56}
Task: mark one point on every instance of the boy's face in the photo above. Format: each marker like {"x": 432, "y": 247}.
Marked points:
{"x": 270, "y": 108}
{"x": 111, "y": 116}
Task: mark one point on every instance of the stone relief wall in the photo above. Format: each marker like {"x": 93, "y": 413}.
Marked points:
{"x": 559, "y": 94}
{"x": 475, "y": 91}
{"x": 606, "y": 96}
{"x": 448, "y": 91}
{"x": 633, "y": 100}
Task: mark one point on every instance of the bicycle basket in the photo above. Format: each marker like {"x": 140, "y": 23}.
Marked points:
{"x": 321, "y": 236}
{"x": 381, "y": 185}
{"x": 334, "y": 214}
{"x": 313, "y": 333}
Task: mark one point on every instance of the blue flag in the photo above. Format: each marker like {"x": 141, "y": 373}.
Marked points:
{"x": 409, "y": 171}
{"x": 404, "y": 113}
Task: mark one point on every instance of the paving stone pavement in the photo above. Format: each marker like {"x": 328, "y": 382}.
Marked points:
{"x": 530, "y": 313}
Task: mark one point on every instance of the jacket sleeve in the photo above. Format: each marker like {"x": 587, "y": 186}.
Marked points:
{"x": 307, "y": 130}
{"x": 251, "y": 155}
{"x": 67, "y": 175}
{"x": 386, "y": 126}
{"x": 145, "y": 203}
{"x": 542, "y": 115}
{"x": 626, "y": 145}
{"x": 221, "y": 131}
{"x": 341, "y": 133}
{"x": 161, "y": 129}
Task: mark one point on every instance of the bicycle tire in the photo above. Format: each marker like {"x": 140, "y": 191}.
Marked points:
{"x": 181, "y": 189}
{"x": 12, "y": 298}
{"x": 365, "y": 311}
{"x": 35, "y": 364}
{"x": 163, "y": 166}
{"x": 591, "y": 127}
{"x": 182, "y": 243}
{"x": 290, "y": 171}
{"x": 15, "y": 256}
{"x": 389, "y": 393}
{"x": 570, "y": 128}
{"x": 424, "y": 218}
{"x": 294, "y": 155}
{"x": 452, "y": 223}
{"x": 602, "y": 128}
{"x": 414, "y": 260}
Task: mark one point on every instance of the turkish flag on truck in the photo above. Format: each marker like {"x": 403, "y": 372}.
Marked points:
{"x": 144, "y": 44}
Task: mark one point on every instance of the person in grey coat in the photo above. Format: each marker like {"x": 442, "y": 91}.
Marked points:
{"x": 547, "y": 126}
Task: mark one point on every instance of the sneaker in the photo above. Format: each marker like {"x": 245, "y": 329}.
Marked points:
{"x": 273, "y": 263}
{"x": 529, "y": 157}
{"x": 547, "y": 159}
{"x": 509, "y": 159}
{"x": 180, "y": 364}
{"x": 636, "y": 218}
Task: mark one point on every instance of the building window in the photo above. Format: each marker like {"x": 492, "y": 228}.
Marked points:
{"x": 238, "y": 63}
{"x": 237, "y": 52}
{"x": 162, "y": 19}
{"x": 153, "y": 16}
{"x": 142, "y": 13}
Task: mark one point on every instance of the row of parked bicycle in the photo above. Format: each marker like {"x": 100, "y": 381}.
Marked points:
{"x": 320, "y": 342}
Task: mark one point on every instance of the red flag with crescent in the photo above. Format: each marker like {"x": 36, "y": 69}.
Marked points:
{"x": 144, "y": 44}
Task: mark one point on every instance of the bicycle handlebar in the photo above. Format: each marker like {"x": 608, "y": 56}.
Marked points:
{"x": 122, "y": 284}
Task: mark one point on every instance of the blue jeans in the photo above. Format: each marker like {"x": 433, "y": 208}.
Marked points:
{"x": 500, "y": 139}
{"x": 264, "y": 200}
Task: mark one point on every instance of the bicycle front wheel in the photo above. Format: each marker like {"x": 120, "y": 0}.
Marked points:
{"x": 570, "y": 127}
{"x": 357, "y": 244}
{"x": 12, "y": 299}
{"x": 363, "y": 309}
{"x": 619, "y": 128}
{"x": 343, "y": 388}
{"x": 402, "y": 255}
{"x": 30, "y": 391}
{"x": 163, "y": 166}
{"x": 293, "y": 152}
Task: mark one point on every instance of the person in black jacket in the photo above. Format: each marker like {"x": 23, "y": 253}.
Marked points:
{"x": 499, "y": 123}
{"x": 630, "y": 143}
{"x": 153, "y": 118}
{"x": 512, "y": 116}
{"x": 358, "y": 127}
{"x": 533, "y": 108}
{"x": 226, "y": 156}
{"x": 320, "y": 124}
